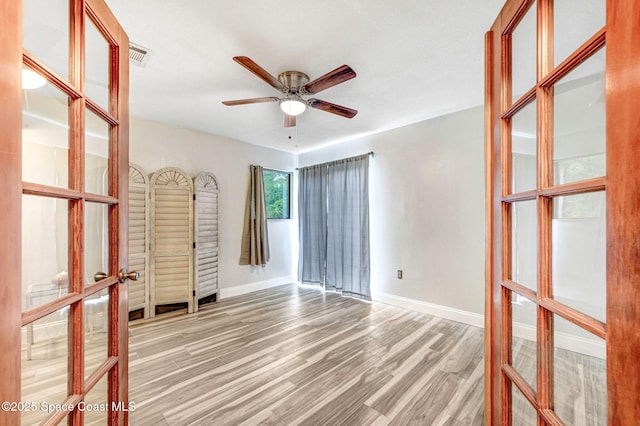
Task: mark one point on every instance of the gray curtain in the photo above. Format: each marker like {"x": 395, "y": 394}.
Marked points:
{"x": 255, "y": 238}
{"x": 312, "y": 223}
{"x": 334, "y": 228}
{"x": 348, "y": 227}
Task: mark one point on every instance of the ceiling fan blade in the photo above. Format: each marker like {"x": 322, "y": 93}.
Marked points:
{"x": 289, "y": 120}
{"x": 259, "y": 71}
{"x": 250, "y": 101}
{"x": 330, "y": 79}
{"x": 332, "y": 108}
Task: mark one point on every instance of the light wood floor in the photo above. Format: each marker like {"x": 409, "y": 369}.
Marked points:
{"x": 291, "y": 355}
{"x": 580, "y": 384}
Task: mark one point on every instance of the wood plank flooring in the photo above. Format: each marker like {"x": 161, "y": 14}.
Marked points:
{"x": 580, "y": 396}
{"x": 291, "y": 355}
{"x": 295, "y": 356}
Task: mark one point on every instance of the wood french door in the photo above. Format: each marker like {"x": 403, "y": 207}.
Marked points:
{"x": 63, "y": 213}
{"x": 563, "y": 213}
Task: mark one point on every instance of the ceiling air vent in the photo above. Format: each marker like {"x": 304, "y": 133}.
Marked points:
{"x": 139, "y": 55}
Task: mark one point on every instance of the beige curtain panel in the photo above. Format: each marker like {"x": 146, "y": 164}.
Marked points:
{"x": 255, "y": 238}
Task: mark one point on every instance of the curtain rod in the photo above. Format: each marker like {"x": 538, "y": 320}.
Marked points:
{"x": 333, "y": 161}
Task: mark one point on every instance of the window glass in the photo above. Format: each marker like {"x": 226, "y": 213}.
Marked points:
{"x": 277, "y": 193}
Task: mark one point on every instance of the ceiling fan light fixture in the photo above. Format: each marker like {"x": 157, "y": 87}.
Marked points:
{"x": 292, "y": 106}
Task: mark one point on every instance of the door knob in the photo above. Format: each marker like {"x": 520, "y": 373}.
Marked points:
{"x": 99, "y": 276}
{"x": 124, "y": 275}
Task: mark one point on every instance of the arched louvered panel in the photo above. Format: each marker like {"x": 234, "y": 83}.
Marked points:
{"x": 138, "y": 238}
{"x": 171, "y": 239}
{"x": 206, "y": 236}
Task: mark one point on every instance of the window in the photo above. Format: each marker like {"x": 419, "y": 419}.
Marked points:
{"x": 277, "y": 193}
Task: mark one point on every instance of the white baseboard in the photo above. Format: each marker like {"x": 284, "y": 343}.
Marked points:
{"x": 258, "y": 285}
{"x": 453, "y": 314}
{"x": 579, "y": 344}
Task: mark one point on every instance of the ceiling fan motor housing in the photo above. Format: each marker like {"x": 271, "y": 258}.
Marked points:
{"x": 293, "y": 80}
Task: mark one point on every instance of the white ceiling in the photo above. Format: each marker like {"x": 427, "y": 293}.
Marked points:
{"x": 415, "y": 59}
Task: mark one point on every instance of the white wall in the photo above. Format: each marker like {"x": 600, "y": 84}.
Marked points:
{"x": 154, "y": 145}
{"x": 426, "y": 212}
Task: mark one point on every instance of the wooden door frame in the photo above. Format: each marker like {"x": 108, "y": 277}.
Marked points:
{"x": 10, "y": 204}
{"x": 622, "y": 207}
{"x": 12, "y": 187}
{"x": 119, "y": 155}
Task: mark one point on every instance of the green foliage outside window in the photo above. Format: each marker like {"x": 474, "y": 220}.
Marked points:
{"x": 276, "y": 193}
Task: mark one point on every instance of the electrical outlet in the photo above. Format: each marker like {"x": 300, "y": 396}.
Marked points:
{"x": 399, "y": 274}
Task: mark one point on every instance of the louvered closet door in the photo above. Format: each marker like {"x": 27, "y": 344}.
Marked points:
{"x": 206, "y": 237}
{"x": 138, "y": 241}
{"x": 171, "y": 239}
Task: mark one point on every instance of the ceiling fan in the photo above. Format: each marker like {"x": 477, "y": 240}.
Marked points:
{"x": 294, "y": 85}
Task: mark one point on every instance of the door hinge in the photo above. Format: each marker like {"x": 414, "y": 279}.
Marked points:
{"x": 194, "y": 293}
{"x": 194, "y": 244}
{"x": 194, "y": 197}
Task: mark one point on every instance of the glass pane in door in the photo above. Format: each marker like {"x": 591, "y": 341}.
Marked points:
{"x": 523, "y": 340}
{"x": 579, "y": 246}
{"x": 97, "y": 66}
{"x": 579, "y": 130}
{"x": 523, "y": 149}
{"x": 572, "y": 28}
{"x": 580, "y": 376}
{"x": 45, "y": 250}
{"x": 522, "y": 412}
{"x": 96, "y": 326}
{"x": 523, "y": 54}
{"x": 96, "y": 164}
{"x": 96, "y": 403}
{"x": 45, "y": 136}
{"x": 44, "y": 364}
{"x": 96, "y": 241}
{"x": 45, "y": 33}
{"x": 524, "y": 244}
